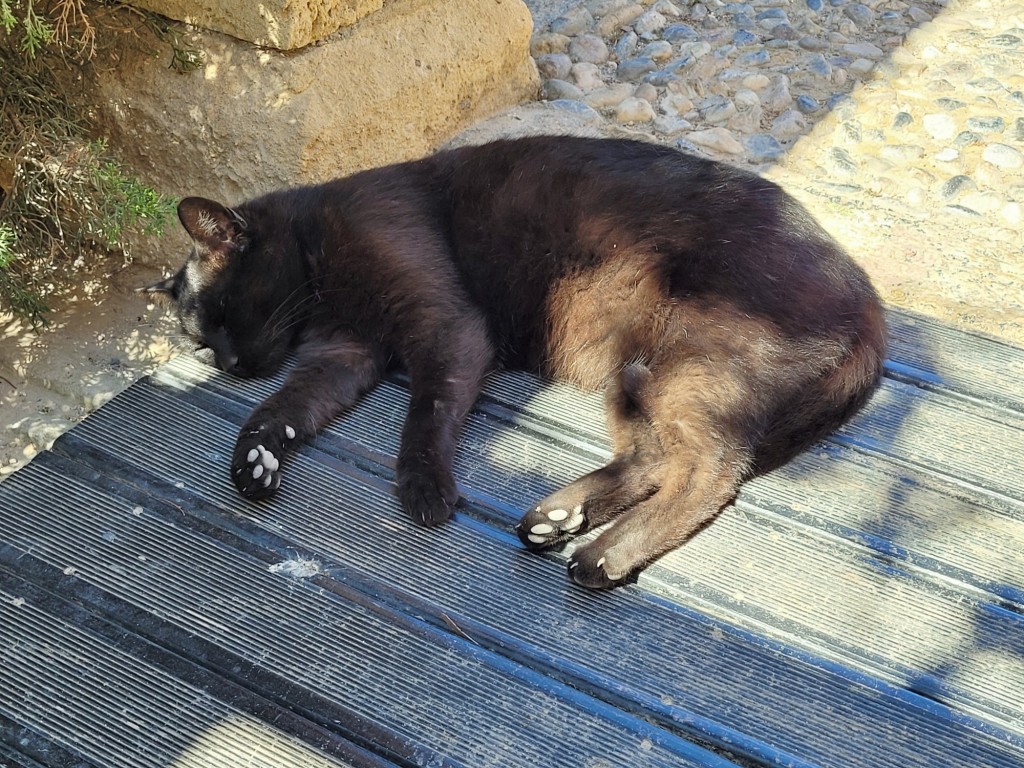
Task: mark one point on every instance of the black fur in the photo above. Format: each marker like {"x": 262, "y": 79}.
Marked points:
{"x": 728, "y": 330}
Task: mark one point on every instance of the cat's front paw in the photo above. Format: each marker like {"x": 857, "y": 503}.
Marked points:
{"x": 256, "y": 463}
{"x": 427, "y": 499}
{"x": 595, "y": 567}
{"x": 544, "y": 527}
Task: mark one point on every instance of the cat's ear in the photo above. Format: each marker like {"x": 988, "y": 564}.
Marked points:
{"x": 210, "y": 224}
{"x": 163, "y": 292}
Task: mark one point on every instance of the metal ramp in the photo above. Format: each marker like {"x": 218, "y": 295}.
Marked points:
{"x": 860, "y": 607}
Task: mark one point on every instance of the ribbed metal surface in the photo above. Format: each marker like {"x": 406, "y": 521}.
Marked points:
{"x": 861, "y": 606}
{"x": 57, "y": 679}
{"x": 755, "y": 564}
{"x": 338, "y": 650}
{"x": 934, "y": 356}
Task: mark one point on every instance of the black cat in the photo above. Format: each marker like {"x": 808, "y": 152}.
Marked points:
{"x": 728, "y": 330}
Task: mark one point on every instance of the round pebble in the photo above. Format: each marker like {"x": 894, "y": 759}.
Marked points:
{"x": 819, "y": 65}
{"x": 680, "y": 33}
{"x": 574, "y": 21}
{"x": 861, "y": 67}
{"x": 955, "y": 186}
{"x": 986, "y": 124}
{"x": 718, "y": 139}
{"x": 554, "y": 65}
{"x": 647, "y": 92}
{"x": 902, "y": 120}
{"x": 649, "y": 24}
{"x": 659, "y": 50}
{"x": 634, "y": 69}
{"x": 807, "y": 105}
{"x": 763, "y": 148}
{"x": 634, "y": 110}
{"x": 602, "y": 98}
{"x": 589, "y": 48}
{"x": 863, "y": 50}
{"x": 560, "y": 89}
{"x": 939, "y": 126}
{"x": 586, "y": 76}
{"x": 859, "y": 13}
{"x": 626, "y": 45}
{"x": 670, "y": 126}
{"x": 1003, "y": 156}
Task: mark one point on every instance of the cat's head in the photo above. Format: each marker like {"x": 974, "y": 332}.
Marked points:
{"x": 237, "y": 292}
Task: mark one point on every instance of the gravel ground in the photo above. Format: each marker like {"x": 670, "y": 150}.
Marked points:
{"x": 899, "y": 123}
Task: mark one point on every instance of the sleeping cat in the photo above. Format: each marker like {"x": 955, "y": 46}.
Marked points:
{"x": 726, "y": 328}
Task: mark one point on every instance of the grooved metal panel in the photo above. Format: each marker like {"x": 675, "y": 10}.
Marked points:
{"x": 861, "y": 606}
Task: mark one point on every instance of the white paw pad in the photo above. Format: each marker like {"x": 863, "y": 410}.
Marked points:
{"x": 264, "y": 465}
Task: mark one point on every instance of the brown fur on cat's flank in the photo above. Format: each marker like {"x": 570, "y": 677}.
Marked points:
{"x": 727, "y": 328}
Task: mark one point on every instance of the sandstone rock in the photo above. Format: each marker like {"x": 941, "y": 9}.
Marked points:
{"x": 390, "y": 88}
{"x": 280, "y": 24}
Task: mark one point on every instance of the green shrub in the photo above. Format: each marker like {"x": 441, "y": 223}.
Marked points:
{"x": 64, "y": 198}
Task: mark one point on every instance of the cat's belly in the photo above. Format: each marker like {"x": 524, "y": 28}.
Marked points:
{"x": 600, "y": 319}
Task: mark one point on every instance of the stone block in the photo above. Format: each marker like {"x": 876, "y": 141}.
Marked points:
{"x": 389, "y": 88}
{"x": 280, "y": 24}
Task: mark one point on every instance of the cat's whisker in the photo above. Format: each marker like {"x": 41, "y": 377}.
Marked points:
{"x": 291, "y": 316}
{"x": 284, "y": 302}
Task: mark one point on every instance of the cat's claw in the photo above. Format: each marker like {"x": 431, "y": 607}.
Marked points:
{"x": 544, "y": 529}
{"x": 595, "y": 569}
{"x": 426, "y": 501}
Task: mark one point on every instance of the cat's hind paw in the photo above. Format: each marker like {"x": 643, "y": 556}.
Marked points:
{"x": 543, "y": 528}
{"x": 596, "y": 568}
{"x": 256, "y": 465}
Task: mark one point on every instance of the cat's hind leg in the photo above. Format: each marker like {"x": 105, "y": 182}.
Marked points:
{"x": 700, "y": 416}
{"x": 633, "y": 475}
{"x": 689, "y": 498}
{"x": 328, "y": 378}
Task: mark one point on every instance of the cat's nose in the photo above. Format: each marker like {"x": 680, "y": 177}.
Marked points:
{"x": 229, "y": 364}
